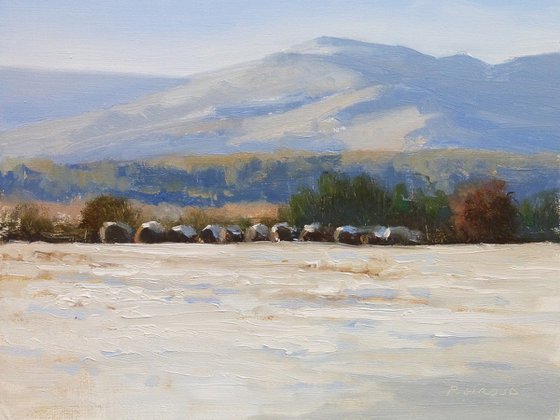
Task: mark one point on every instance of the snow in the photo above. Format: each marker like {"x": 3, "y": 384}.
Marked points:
{"x": 275, "y": 330}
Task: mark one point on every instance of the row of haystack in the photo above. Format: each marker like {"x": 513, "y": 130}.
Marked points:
{"x": 154, "y": 232}
{"x": 372, "y": 235}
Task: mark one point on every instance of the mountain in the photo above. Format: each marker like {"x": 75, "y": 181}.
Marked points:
{"x": 29, "y": 96}
{"x": 326, "y": 95}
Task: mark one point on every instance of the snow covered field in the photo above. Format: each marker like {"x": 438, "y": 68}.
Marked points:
{"x": 280, "y": 330}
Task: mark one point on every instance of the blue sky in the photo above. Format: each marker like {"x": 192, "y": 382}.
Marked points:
{"x": 180, "y": 37}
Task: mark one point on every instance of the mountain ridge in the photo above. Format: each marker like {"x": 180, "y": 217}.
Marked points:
{"x": 27, "y": 94}
{"x": 345, "y": 95}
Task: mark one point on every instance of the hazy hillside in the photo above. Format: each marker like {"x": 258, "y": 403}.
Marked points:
{"x": 28, "y": 96}
{"x": 217, "y": 180}
{"x": 327, "y": 95}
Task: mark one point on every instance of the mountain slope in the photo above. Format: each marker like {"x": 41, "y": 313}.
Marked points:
{"x": 329, "y": 94}
{"x": 29, "y": 96}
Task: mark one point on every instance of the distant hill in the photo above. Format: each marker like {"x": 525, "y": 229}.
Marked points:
{"x": 30, "y": 96}
{"x": 218, "y": 180}
{"x": 327, "y": 95}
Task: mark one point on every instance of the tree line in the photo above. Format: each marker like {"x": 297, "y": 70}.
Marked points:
{"x": 482, "y": 211}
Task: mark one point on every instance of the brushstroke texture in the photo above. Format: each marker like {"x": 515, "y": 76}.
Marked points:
{"x": 278, "y": 330}
{"x": 329, "y": 95}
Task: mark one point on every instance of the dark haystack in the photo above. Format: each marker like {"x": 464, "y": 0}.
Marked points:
{"x": 376, "y": 235}
{"x": 316, "y": 233}
{"x": 116, "y": 232}
{"x": 150, "y": 233}
{"x": 212, "y": 234}
{"x": 348, "y": 235}
{"x": 257, "y": 233}
{"x": 402, "y": 235}
{"x": 182, "y": 233}
{"x": 234, "y": 234}
{"x": 282, "y": 232}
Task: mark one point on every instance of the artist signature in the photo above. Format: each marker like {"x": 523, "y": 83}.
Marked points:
{"x": 481, "y": 390}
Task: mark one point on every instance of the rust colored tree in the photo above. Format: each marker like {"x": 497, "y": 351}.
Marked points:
{"x": 484, "y": 212}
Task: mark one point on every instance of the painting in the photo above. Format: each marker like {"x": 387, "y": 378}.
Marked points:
{"x": 247, "y": 209}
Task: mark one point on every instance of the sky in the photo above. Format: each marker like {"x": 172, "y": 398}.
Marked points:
{"x": 182, "y": 37}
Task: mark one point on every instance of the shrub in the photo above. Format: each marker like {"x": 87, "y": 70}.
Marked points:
{"x": 540, "y": 216}
{"x": 340, "y": 200}
{"x": 107, "y": 208}
{"x": 432, "y": 215}
{"x": 8, "y": 225}
{"x": 26, "y": 221}
{"x": 484, "y": 212}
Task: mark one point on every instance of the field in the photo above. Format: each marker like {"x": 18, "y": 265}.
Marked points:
{"x": 287, "y": 330}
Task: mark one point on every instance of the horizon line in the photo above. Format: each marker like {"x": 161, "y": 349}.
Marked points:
{"x": 293, "y": 49}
